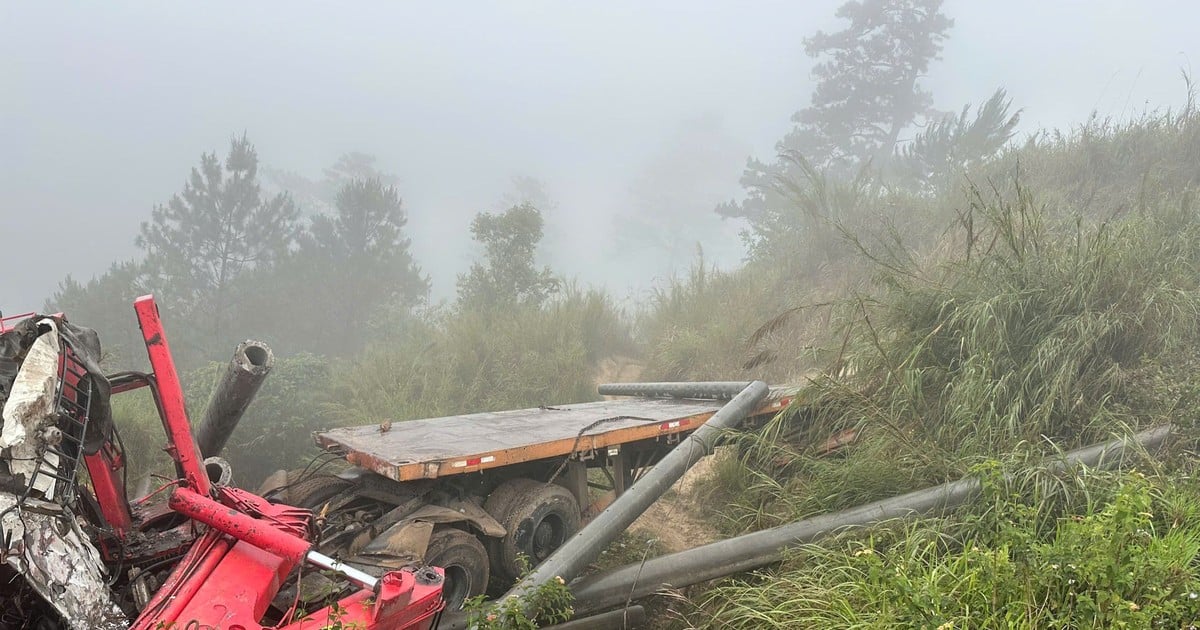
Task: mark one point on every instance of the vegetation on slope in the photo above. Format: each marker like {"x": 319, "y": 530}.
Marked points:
{"x": 1037, "y": 323}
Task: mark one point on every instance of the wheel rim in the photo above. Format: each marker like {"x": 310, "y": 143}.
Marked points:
{"x": 456, "y": 587}
{"x": 547, "y": 536}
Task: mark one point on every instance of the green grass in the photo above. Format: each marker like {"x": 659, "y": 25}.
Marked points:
{"x": 466, "y": 361}
{"x": 1124, "y": 557}
{"x": 1060, "y": 308}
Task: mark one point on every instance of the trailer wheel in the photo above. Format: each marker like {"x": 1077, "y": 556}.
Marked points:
{"x": 315, "y": 491}
{"x": 465, "y": 561}
{"x": 538, "y": 517}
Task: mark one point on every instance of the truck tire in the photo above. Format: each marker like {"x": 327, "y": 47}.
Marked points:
{"x": 538, "y": 517}
{"x": 465, "y": 561}
{"x": 315, "y": 491}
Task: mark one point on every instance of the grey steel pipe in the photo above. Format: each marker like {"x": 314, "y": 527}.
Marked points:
{"x": 624, "y": 619}
{"x": 758, "y": 549}
{"x": 629, "y": 618}
{"x": 719, "y": 390}
{"x": 252, "y": 361}
{"x": 575, "y": 554}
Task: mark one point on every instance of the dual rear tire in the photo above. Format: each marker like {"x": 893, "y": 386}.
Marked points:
{"x": 538, "y": 518}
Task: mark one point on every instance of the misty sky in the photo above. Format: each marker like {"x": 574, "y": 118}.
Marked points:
{"x": 104, "y": 108}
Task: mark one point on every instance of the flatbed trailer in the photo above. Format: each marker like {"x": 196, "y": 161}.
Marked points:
{"x": 483, "y": 494}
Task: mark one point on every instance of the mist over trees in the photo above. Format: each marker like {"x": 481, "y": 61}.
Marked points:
{"x": 870, "y": 128}
{"x": 322, "y": 268}
{"x": 666, "y": 220}
{"x": 206, "y": 237}
{"x": 508, "y": 276}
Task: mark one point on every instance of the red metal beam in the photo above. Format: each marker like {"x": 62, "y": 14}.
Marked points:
{"x": 180, "y": 444}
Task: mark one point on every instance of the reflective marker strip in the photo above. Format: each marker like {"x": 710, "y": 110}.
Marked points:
{"x": 474, "y": 461}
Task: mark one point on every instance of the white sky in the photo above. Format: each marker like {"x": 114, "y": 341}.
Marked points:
{"x": 105, "y": 107}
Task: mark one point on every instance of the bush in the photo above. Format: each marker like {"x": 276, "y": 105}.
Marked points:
{"x": 469, "y": 361}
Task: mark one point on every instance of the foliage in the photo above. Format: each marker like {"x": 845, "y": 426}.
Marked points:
{"x": 1036, "y": 322}
{"x": 549, "y": 603}
{"x": 276, "y": 431}
{"x": 697, "y": 327}
{"x": 509, "y": 277}
{"x": 105, "y": 304}
{"x": 1105, "y": 167}
{"x": 1037, "y": 333}
{"x": 801, "y": 229}
{"x": 1124, "y": 558}
{"x": 318, "y": 197}
{"x": 463, "y": 361}
{"x": 349, "y": 266}
{"x": 867, "y": 89}
{"x": 951, "y": 146}
{"x": 219, "y": 227}
{"x": 143, "y": 437}
{"x": 867, "y": 92}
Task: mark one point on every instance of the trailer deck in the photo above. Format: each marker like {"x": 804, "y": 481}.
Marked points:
{"x": 437, "y": 447}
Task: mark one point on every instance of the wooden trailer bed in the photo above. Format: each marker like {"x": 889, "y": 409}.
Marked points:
{"x": 437, "y": 447}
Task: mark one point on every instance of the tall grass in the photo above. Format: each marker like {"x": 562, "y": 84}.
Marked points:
{"x": 1122, "y": 555}
{"x": 1039, "y": 334}
{"x": 1060, "y": 308}
{"x": 468, "y": 361}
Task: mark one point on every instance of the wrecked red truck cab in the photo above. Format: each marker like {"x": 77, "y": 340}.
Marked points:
{"x": 75, "y": 552}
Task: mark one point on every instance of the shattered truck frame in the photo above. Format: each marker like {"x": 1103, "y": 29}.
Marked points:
{"x": 75, "y": 551}
{"x": 485, "y": 495}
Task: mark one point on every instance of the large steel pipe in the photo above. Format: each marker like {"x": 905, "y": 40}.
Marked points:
{"x": 575, "y": 554}
{"x": 252, "y": 361}
{"x": 719, "y": 390}
{"x": 625, "y": 619}
{"x": 758, "y": 549}
{"x": 629, "y": 618}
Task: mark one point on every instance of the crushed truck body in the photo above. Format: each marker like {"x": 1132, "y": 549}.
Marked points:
{"x": 44, "y": 393}
{"x": 76, "y": 552}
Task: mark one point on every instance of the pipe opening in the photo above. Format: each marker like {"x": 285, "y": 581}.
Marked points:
{"x": 257, "y": 356}
{"x": 220, "y": 473}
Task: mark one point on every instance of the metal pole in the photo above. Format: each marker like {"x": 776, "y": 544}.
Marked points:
{"x": 628, "y": 618}
{"x": 720, "y": 390}
{"x": 574, "y": 555}
{"x": 758, "y": 549}
{"x": 624, "y": 619}
{"x": 251, "y": 363}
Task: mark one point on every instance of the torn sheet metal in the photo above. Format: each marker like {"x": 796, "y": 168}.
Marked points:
{"x": 29, "y": 414}
{"x": 58, "y": 561}
{"x": 38, "y": 538}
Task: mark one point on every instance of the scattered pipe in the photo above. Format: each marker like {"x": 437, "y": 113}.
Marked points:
{"x": 569, "y": 560}
{"x": 629, "y": 618}
{"x": 718, "y": 390}
{"x": 252, "y": 361}
{"x": 761, "y": 548}
{"x": 625, "y": 619}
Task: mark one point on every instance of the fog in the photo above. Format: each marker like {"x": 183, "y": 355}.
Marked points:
{"x": 104, "y": 109}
